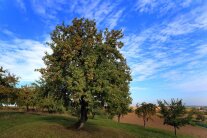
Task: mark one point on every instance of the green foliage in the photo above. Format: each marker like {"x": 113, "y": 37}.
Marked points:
{"x": 131, "y": 109}
{"x": 8, "y": 92}
{"x": 86, "y": 67}
{"x": 51, "y": 105}
{"x": 27, "y": 96}
{"x": 146, "y": 111}
{"x": 198, "y": 115}
{"x": 174, "y": 113}
{"x": 118, "y": 106}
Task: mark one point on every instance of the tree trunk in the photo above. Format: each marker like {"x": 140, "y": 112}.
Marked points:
{"x": 144, "y": 122}
{"x": 83, "y": 114}
{"x": 27, "y": 107}
{"x": 93, "y": 115}
{"x": 119, "y": 116}
{"x": 175, "y": 130}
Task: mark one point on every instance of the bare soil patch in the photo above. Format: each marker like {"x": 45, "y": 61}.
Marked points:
{"x": 158, "y": 123}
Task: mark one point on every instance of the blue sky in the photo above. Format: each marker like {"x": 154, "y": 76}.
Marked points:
{"x": 165, "y": 41}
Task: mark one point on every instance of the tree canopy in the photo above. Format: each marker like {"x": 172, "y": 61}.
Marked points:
{"x": 174, "y": 113}
{"x": 86, "y": 66}
{"x": 146, "y": 111}
{"x": 118, "y": 104}
{"x": 8, "y": 83}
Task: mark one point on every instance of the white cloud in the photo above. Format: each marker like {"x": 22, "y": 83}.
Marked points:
{"x": 167, "y": 50}
{"x": 104, "y": 12}
{"x": 194, "y": 83}
{"x": 21, "y": 5}
{"x": 22, "y": 57}
{"x": 42, "y": 7}
{"x": 201, "y": 20}
{"x": 112, "y": 22}
{"x": 161, "y": 6}
{"x": 202, "y": 50}
{"x": 146, "y": 5}
{"x": 187, "y": 23}
{"x": 133, "y": 43}
{"x": 144, "y": 70}
{"x": 186, "y": 3}
{"x": 88, "y": 9}
{"x": 7, "y": 32}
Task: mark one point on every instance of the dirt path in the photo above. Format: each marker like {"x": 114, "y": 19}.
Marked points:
{"x": 158, "y": 123}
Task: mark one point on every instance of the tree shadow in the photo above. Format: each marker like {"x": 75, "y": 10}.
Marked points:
{"x": 70, "y": 123}
{"x": 10, "y": 114}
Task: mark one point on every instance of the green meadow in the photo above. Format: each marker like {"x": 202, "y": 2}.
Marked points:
{"x": 33, "y": 125}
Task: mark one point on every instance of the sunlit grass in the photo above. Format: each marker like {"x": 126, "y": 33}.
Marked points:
{"x": 25, "y": 125}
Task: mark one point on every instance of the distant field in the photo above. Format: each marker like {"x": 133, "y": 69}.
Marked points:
{"x": 27, "y": 125}
{"x": 157, "y": 122}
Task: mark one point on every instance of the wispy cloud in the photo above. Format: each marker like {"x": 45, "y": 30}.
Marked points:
{"x": 47, "y": 9}
{"x": 114, "y": 18}
{"x": 186, "y": 3}
{"x": 161, "y": 6}
{"x": 202, "y": 50}
{"x": 104, "y": 12}
{"x": 7, "y": 32}
{"x": 22, "y": 57}
{"x": 21, "y": 5}
{"x": 171, "y": 51}
{"x": 191, "y": 82}
{"x": 146, "y": 5}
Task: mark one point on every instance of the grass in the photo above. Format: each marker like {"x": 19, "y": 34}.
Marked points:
{"x": 27, "y": 125}
{"x": 201, "y": 124}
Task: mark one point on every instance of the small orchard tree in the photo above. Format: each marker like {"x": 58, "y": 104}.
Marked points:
{"x": 27, "y": 96}
{"x": 174, "y": 113}
{"x": 131, "y": 109}
{"x": 52, "y": 105}
{"x": 118, "y": 104}
{"x": 146, "y": 111}
{"x": 8, "y": 91}
{"x": 85, "y": 66}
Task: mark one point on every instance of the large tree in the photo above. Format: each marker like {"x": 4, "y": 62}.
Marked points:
{"x": 174, "y": 113}
{"x": 8, "y": 92}
{"x": 146, "y": 111}
{"x": 86, "y": 66}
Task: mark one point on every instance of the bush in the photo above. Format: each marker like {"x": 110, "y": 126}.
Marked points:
{"x": 51, "y": 105}
{"x": 200, "y": 117}
{"x": 75, "y": 111}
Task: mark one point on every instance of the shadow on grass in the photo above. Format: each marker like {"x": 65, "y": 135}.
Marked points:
{"x": 13, "y": 118}
{"x": 4, "y": 113}
{"x": 68, "y": 123}
{"x": 93, "y": 125}
{"x": 29, "y": 117}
